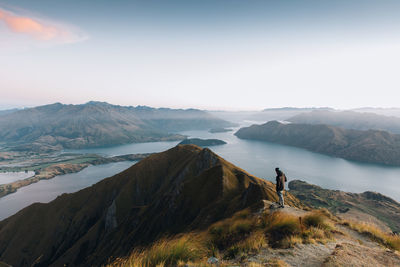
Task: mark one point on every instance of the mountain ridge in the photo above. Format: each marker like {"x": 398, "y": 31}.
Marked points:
{"x": 350, "y": 120}
{"x": 179, "y": 190}
{"x": 57, "y": 126}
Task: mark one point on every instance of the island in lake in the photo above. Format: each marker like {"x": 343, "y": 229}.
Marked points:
{"x": 202, "y": 142}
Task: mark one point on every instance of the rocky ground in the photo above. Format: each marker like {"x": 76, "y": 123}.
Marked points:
{"x": 347, "y": 248}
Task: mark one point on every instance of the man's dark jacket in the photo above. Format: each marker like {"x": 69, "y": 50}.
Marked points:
{"x": 280, "y": 181}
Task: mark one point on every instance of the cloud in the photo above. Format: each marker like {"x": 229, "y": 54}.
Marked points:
{"x": 40, "y": 29}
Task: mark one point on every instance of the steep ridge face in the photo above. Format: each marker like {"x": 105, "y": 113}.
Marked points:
{"x": 366, "y": 146}
{"x": 182, "y": 189}
{"x": 94, "y": 124}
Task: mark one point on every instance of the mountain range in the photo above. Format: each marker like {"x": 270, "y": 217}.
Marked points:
{"x": 349, "y": 120}
{"x": 381, "y": 111}
{"x": 57, "y": 126}
{"x": 372, "y": 146}
{"x": 177, "y": 191}
{"x": 8, "y": 111}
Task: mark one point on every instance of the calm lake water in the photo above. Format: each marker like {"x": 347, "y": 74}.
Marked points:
{"x": 260, "y": 159}
{"x": 9, "y": 177}
{"x": 47, "y": 190}
{"x": 256, "y": 157}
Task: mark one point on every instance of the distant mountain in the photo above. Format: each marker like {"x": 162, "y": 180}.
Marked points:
{"x": 177, "y": 191}
{"x": 369, "y": 206}
{"x": 8, "y": 111}
{"x": 284, "y": 113}
{"x": 283, "y": 109}
{"x": 395, "y": 112}
{"x": 365, "y": 146}
{"x": 202, "y": 142}
{"x": 94, "y": 124}
{"x": 350, "y": 120}
{"x": 262, "y": 116}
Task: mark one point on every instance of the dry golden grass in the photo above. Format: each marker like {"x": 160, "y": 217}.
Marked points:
{"x": 317, "y": 219}
{"x": 234, "y": 238}
{"x": 389, "y": 240}
{"x": 254, "y": 264}
{"x": 165, "y": 252}
{"x": 280, "y": 227}
{"x": 284, "y": 230}
{"x": 275, "y": 262}
{"x": 251, "y": 244}
{"x": 232, "y": 230}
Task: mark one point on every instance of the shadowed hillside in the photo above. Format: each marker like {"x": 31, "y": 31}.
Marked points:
{"x": 94, "y": 124}
{"x": 182, "y": 189}
{"x": 365, "y": 146}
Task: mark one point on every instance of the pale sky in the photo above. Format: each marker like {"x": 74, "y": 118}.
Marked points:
{"x": 226, "y": 54}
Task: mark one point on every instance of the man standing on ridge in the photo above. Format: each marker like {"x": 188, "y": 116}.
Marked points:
{"x": 280, "y": 186}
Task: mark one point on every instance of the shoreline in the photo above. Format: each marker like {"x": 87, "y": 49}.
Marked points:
{"x": 60, "y": 168}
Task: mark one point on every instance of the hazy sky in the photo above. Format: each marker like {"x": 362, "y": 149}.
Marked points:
{"x": 200, "y": 53}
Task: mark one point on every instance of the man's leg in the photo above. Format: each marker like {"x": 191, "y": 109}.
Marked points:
{"x": 279, "y": 197}
{"x": 281, "y": 202}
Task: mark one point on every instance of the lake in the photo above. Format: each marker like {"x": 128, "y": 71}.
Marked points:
{"x": 47, "y": 190}
{"x": 257, "y": 157}
{"x": 260, "y": 159}
{"x": 9, "y": 177}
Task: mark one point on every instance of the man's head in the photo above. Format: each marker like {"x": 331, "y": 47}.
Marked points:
{"x": 276, "y": 169}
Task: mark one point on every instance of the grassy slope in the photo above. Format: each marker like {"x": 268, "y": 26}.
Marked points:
{"x": 288, "y": 237}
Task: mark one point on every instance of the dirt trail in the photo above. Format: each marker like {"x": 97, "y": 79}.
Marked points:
{"x": 349, "y": 249}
